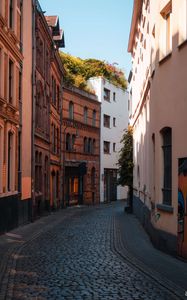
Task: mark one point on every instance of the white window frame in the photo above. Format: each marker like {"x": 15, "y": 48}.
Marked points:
{"x": 182, "y": 17}
{"x": 165, "y": 47}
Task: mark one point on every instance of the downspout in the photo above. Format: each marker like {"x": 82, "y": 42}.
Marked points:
{"x": 33, "y": 109}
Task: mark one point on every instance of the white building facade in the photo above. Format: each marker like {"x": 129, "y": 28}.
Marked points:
{"x": 114, "y": 119}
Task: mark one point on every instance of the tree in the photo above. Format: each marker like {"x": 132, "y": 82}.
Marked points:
{"x": 125, "y": 163}
{"x": 78, "y": 71}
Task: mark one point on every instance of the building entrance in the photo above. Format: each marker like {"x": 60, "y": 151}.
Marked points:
{"x": 110, "y": 185}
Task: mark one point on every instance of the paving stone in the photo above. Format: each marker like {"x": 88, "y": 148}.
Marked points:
{"x": 74, "y": 259}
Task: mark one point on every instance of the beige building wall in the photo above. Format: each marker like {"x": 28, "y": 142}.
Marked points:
{"x": 158, "y": 46}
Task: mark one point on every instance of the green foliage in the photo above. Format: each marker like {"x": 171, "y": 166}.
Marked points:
{"x": 78, "y": 71}
{"x": 125, "y": 161}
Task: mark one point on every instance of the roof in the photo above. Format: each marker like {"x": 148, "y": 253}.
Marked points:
{"x": 137, "y": 8}
{"x": 51, "y": 20}
{"x": 57, "y": 33}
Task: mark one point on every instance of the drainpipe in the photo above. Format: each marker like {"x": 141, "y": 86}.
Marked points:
{"x": 33, "y": 109}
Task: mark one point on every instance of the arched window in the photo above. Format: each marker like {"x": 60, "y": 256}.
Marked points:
{"x": 85, "y": 115}
{"x": 58, "y": 141}
{"x": 85, "y": 145}
{"x": 58, "y": 98}
{"x": 68, "y": 142}
{"x": 94, "y": 118}
{"x": 40, "y": 106}
{"x": 93, "y": 146}
{"x": 89, "y": 145}
{"x": 167, "y": 164}
{"x": 93, "y": 178}
{"x": 73, "y": 141}
{"x": 37, "y": 110}
{"x": 71, "y": 110}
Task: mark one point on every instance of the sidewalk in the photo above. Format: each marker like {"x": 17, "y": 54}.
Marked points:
{"x": 136, "y": 241}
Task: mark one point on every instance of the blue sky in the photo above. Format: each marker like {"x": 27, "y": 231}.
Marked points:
{"x": 95, "y": 29}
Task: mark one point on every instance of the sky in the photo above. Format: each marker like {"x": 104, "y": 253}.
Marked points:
{"x": 95, "y": 29}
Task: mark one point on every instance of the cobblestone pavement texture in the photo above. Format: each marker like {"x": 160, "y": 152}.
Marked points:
{"x": 76, "y": 254}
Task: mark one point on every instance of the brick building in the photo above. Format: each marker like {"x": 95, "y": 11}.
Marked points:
{"x": 81, "y": 146}
{"x": 47, "y": 117}
{"x": 55, "y": 113}
{"x": 10, "y": 111}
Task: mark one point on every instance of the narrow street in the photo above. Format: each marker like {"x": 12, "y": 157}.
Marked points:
{"x": 79, "y": 253}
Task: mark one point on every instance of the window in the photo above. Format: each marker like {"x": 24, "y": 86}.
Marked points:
{"x": 114, "y": 122}
{"x": 106, "y": 121}
{"x": 11, "y": 12}
{"x": 106, "y": 94}
{"x": 93, "y": 146}
{"x": 182, "y": 21}
{"x": 165, "y": 34}
{"x": 20, "y": 86}
{"x": 40, "y": 110}
{"x": 58, "y": 140}
{"x": 73, "y": 141}
{"x": 114, "y": 147}
{"x": 106, "y": 147}
{"x": 167, "y": 164}
{"x": 94, "y": 118}
{"x": 10, "y": 161}
{"x": 10, "y": 82}
{"x": 19, "y": 22}
{"x": 85, "y": 145}
{"x": 47, "y": 65}
{"x": 114, "y": 96}
{"x": 58, "y": 98}
{"x": 73, "y": 185}
{"x": 90, "y": 145}
{"x": 68, "y": 142}
{"x": 168, "y": 33}
{"x": 53, "y": 91}
{"x": 54, "y": 138}
{"x": 71, "y": 110}
{"x": 85, "y": 115}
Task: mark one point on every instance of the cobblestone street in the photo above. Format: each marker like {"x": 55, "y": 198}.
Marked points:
{"x": 78, "y": 257}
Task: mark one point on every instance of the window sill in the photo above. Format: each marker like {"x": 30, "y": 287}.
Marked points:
{"x": 182, "y": 44}
{"x": 8, "y": 193}
{"x": 165, "y": 57}
{"x": 165, "y": 207}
